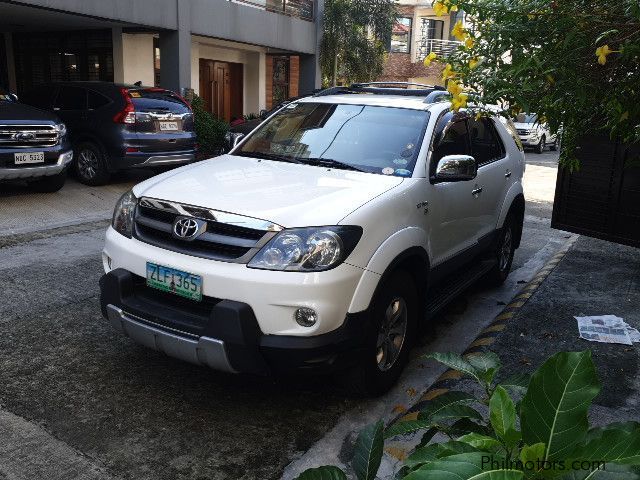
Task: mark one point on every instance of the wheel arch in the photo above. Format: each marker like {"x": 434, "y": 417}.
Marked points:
{"x": 516, "y": 209}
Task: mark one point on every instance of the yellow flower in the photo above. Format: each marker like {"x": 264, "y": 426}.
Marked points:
{"x": 429, "y": 58}
{"x": 469, "y": 43}
{"x": 458, "y": 31}
{"x": 473, "y": 63}
{"x": 440, "y": 8}
{"x": 478, "y": 116}
{"x": 624, "y": 116}
{"x": 550, "y": 79}
{"x": 447, "y": 72}
{"x": 454, "y": 88}
{"x": 459, "y": 101}
{"x": 602, "y": 53}
{"x": 453, "y": 8}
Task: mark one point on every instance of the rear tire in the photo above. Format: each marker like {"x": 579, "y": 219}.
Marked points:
{"x": 504, "y": 251}
{"x": 540, "y": 146}
{"x": 49, "y": 184}
{"x": 394, "y": 316}
{"x": 90, "y": 164}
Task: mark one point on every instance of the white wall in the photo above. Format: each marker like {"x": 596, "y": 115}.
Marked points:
{"x": 137, "y": 58}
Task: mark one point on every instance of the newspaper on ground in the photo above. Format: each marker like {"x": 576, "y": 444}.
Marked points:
{"x": 607, "y": 329}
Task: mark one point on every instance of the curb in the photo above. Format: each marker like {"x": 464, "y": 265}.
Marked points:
{"x": 487, "y": 337}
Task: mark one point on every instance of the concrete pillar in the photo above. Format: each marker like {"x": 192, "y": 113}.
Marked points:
{"x": 118, "y": 54}
{"x": 175, "y": 52}
{"x": 310, "y": 73}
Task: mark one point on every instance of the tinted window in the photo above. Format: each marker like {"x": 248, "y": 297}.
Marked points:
{"x": 96, "y": 100}
{"x": 454, "y": 140}
{"x": 486, "y": 147}
{"x": 39, "y": 97}
{"x": 71, "y": 98}
{"x": 374, "y": 139}
{"x": 155, "y": 99}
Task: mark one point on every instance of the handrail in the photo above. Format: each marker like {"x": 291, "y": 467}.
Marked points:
{"x": 295, "y": 8}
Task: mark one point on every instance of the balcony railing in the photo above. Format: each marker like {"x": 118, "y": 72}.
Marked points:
{"x": 295, "y": 8}
{"x": 437, "y": 46}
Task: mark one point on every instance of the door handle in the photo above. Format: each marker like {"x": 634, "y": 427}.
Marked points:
{"x": 476, "y": 191}
{"x": 508, "y": 174}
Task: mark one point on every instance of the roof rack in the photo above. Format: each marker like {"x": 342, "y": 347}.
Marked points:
{"x": 431, "y": 92}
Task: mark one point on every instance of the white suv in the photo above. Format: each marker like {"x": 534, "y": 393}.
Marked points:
{"x": 534, "y": 134}
{"x": 321, "y": 240}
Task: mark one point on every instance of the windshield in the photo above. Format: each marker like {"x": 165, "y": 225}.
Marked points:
{"x": 373, "y": 139}
{"x": 526, "y": 118}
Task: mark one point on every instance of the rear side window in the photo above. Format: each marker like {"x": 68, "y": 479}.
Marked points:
{"x": 152, "y": 100}
{"x": 71, "y": 98}
{"x": 96, "y": 100}
{"x": 486, "y": 146}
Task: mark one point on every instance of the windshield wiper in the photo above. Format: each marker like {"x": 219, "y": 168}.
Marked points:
{"x": 329, "y": 162}
{"x": 268, "y": 156}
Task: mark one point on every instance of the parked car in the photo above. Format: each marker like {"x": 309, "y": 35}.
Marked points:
{"x": 534, "y": 134}
{"x": 315, "y": 244}
{"x": 115, "y": 126}
{"x": 33, "y": 145}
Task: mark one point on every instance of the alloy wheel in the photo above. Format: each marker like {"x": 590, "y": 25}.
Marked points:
{"x": 88, "y": 163}
{"x": 505, "y": 250}
{"x": 392, "y": 333}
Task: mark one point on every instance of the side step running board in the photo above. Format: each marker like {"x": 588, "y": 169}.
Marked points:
{"x": 442, "y": 294}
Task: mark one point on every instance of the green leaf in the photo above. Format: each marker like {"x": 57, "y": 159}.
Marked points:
{"x": 486, "y": 364}
{"x": 405, "y": 427}
{"x": 532, "y": 453}
{"x": 437, "y": 450}
{"x": 464, "y": 426}
{"x": 445, "y": 400}
{"x": 617, "y": 445}
{"x": 554, "y": 410}
{"x": 481, "y": 442}
{"x": 465, "y": 466}
{"x": 323, "y": 473}
{"x": 451, "y": 412}
{"x": 502, "y": 414}
{"x": 368, "y": 452}
{"x": 455, "y": 362}
{"x": 517, "y": 383}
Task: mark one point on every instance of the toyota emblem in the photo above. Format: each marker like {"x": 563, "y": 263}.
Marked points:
{"x": 24, "y": 136}
{"x": 186, "y": 228}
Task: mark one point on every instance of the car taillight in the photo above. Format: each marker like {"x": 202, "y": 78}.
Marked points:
{"x": 128, "y": 113}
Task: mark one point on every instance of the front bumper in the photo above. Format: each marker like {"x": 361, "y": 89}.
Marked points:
{"x": 64, "y": 159}
{"x": 222, "y": 334}
{"x": 159, "y": 159}
{"x": 530, "y": 140}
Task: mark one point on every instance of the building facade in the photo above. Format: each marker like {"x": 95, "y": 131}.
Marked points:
{"x": 239, "y": 56}
{"x": 417, "y": 32}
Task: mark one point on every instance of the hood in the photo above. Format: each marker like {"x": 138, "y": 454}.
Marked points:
{"x": 15, "y": 112}
{"x": 524, "y": 126}
{"x": 291, "y": 195}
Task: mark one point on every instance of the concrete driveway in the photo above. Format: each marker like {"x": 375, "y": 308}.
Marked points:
{"x": 78, "y": 401}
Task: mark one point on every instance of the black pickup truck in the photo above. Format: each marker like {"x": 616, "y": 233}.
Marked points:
{"x": 34, "y": 146}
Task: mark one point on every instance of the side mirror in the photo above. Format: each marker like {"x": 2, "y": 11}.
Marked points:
{"x": 236, "y": 138}
{"x": 456, "y": 168}
{"x": 13, "y": 97}
{"x": 263, "y": 114}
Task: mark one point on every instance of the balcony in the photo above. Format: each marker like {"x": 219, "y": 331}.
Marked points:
{"x": 433, "y": 45}
{"x": 295, "y": 8}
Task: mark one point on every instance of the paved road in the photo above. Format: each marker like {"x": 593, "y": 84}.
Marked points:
{"x": 78, "y": 401}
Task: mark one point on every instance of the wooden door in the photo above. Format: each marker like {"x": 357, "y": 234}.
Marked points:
{"x": 222, "y": 91}
{"x": 206, "y": 83}
{"x": 221, "y": 88}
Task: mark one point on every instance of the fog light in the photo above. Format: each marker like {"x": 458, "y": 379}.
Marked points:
{"x": 306, "y": 317}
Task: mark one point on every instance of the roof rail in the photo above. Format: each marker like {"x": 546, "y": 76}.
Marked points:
{"x": 405, "y": 84}
{"x": 431, "y": 93}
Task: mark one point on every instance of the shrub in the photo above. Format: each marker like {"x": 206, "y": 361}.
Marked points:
{"x": 210, "y": 130}
{"x": 545, "y": 435}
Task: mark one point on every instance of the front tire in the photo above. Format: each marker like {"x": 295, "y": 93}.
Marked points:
{"x": 49, "y": 184}
{"x": 504, "y": 252}
{"x": 394, "y": 317}
{"x": 91, "y": 164}
{"x": 556, "y": 145}
{"x": 540, "y": 146}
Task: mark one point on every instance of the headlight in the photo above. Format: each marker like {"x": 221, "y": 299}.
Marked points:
{"x": 123, "y": 214}
{"x": 310, "y": 249}
{"x": 62, "y": 129}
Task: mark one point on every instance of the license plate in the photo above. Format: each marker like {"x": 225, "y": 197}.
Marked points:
{"x": 174, "y": 281}
{"x": 168, "y": 126}
{"x": 31, "y": 157}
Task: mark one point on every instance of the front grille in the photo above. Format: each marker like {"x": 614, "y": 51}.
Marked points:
{"x": 523, "y": 132}
{"x": 154, "y": 220}
{"x": 28, "y": 136}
